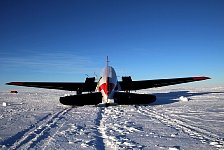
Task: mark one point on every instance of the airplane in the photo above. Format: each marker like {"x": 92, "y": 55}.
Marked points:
{"x": 108, "y": 91}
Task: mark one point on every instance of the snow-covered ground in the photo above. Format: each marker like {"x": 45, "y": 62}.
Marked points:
{"x": 181, "y": 118}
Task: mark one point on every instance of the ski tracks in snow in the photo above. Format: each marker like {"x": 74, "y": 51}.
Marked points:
{"x": 35, "y": 134}
{"x": 203, "y": 135}
{"x": 114, "y": 129}
{"x": 120, "y": 127}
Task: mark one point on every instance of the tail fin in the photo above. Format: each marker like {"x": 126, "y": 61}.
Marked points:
{"x": 107, "y": 78}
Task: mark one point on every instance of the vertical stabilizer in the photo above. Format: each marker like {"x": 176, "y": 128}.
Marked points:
{"x": 107, "y": 78}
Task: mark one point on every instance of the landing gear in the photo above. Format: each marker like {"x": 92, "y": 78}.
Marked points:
{"x": 79, "y": 91}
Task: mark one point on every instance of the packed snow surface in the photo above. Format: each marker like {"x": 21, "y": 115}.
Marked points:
{"x": 34, "y": 119}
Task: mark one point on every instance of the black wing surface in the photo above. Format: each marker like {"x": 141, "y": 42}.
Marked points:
{"x": 76, "y": 86}
{"x": 144, "y": 84}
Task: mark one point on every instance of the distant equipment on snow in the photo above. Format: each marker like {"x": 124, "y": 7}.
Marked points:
{"x": 15, "y": 92}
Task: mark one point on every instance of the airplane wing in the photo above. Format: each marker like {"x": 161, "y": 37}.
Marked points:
{"x": 78, "y": 86}
{"x": 144, "y": 84}
{"x": 125, "y": 85}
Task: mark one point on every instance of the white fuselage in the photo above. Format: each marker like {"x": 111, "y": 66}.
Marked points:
{"x": 108, "y": 84}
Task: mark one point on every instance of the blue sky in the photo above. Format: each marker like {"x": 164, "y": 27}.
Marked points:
{"x": 149, "y": 39}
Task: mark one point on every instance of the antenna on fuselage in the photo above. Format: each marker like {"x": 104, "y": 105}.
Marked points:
{"x": 96, "y": 76}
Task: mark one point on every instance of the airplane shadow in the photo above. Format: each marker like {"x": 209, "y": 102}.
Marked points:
{"x": 173, "y": 97}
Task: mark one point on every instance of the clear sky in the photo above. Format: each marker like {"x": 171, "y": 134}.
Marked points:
{"x": 59, "y": 40}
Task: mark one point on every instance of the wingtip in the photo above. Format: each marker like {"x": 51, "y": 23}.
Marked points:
{"x": 15, "y": 83}
{"x": 208, "y": 78}
{"x": 201, "y": 78}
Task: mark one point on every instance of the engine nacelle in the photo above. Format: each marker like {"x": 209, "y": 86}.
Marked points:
{"x": 88, "y": 85}
{"x": 127, "y": 83}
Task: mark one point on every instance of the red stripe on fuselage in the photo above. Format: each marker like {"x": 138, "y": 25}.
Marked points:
{"x": 105, "y": 88}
